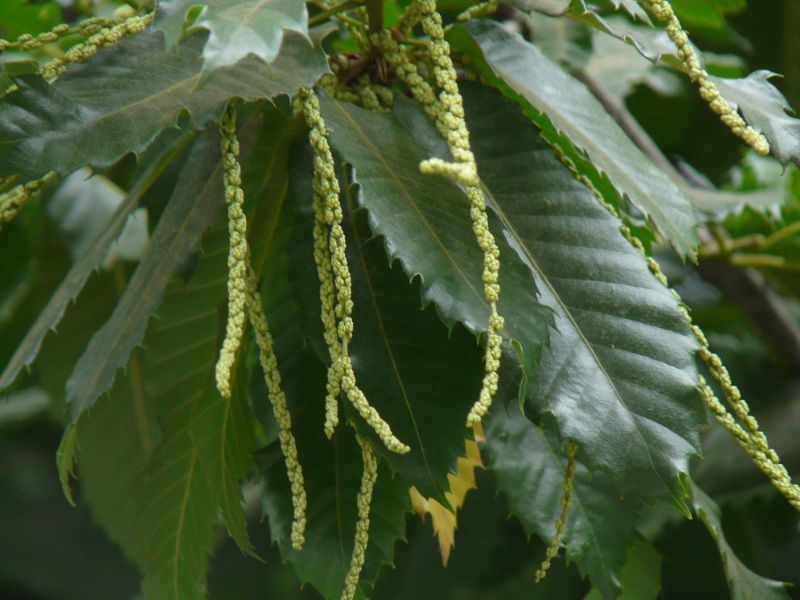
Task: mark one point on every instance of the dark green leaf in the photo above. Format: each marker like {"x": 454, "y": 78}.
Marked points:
{"x": 519, "y": 69}
{"x": 433, "y": 212}
{"x": 69, "y": 125}
{"x": 116, "y": 439}
{"x": 530, "y": 466}
{"x": 742, "y": 582}
{"x": 236, "y": 29}
{"x": 195, "y": 204}
{"x": 620, "y": 375}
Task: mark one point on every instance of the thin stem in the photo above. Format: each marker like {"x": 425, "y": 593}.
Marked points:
{"x": 781, "y": 234}
{"x": 769, "y": 261}
{"x": 333, "y": 10}
{"x": 375, "y": 13}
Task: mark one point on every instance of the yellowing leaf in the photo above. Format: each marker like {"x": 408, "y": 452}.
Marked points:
{"x": 443, "y": 519}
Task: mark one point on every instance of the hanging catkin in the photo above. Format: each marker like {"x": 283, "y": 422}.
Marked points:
{"x": 335, "y": 280}
{"x": 238, "y": 252}
{"x": 363, "y": 503}
{"x": 561, "y": 523}
{"x": 662, "y": 11}
{"x": 104, "y": 38}
{"x": 277, "y": 398}
{"x": 447, "y": 111}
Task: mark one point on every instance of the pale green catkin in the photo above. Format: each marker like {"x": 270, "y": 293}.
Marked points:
{"x": 750, "y": 437}
{"x": 238, "y": 252}
{"x": 332, "y": 263}
{"x": 104, "y": 38}
{"x": 12, "y": 201}
{"x": 363, "y": 502}
{"x": 662, "y": 11}
{"x": 448, "y": 113}
{"x": 277, "y": 398}
{"x": 561, "y": 523}
{"x": 408, "y": 19}
{"x": 363, "y": 92}
{"x": 27, "y": 42}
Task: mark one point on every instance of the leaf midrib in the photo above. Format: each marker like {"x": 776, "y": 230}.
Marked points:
{"x": 568, "y": 314}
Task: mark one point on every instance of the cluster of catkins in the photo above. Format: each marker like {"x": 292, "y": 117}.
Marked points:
{"x": 442, "y": 102}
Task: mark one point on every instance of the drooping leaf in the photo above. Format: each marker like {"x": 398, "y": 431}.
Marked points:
{"x": 195, "y": 204}
{"x": 177, "y": 510}
{"x": 434, "y": 213}
{"x": 767, "y": 110}
{"x": 236, "y": 29}
{"x": 743, "y": 583}
{"x": 530, "y": 466}
{"x": 90, "y": 261}
{"x": 420, "y": 379}
{"x": 69, "y": 125}
{"x": 559, "y": 103}
{"x": 622, "y": 364}
{"x": 116, "y": 439}
{"x": 196, "y": 469}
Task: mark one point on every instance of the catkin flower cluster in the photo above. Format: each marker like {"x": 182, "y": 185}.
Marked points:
{"x": 244, "y": 302}
{"x": 363, "y": 503}
{"x": 335, "y": 280}
{"x": 447, "y": 112}
{"x": 277, "y": 398}
{"x": 663, "y": 12}
{"x": 12, "y": 201}
{"x": 104, "y": 38}
{"x": 238, "y": 252}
